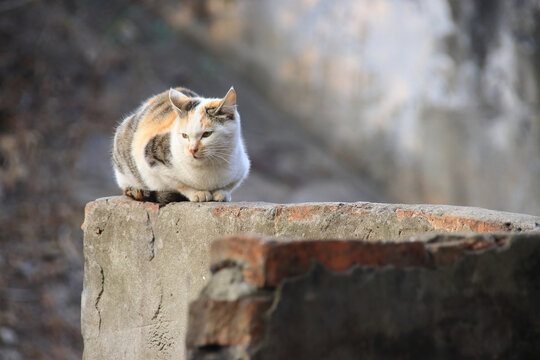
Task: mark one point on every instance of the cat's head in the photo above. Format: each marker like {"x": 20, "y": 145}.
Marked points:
{"x": 207, "y": 129}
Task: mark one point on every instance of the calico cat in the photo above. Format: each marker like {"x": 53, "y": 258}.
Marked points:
{"x": 178, "y": 144}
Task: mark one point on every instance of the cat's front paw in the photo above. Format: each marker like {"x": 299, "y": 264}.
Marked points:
{"x": 221, "y": 195}
{"x": 200, "y": 196}
{"x": 136, "y": 194}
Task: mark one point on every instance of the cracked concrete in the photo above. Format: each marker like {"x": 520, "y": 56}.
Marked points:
{"x": 145, "y": 263}
{"x": 98, "y": 298}
{"x": 152, "y": 240}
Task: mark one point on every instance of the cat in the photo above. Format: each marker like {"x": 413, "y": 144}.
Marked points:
{"x": 178, "y": 145}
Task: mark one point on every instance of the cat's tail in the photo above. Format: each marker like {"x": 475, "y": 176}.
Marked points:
{"x": 164, "y": 197}
{"x": 161, "y": 197}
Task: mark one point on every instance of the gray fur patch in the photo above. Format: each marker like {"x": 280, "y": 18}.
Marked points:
{"x": 221, "y": 114}
{"x": 160, "y": 110}
{"x": 122, "y": 150}
{"x": 116, "y": 161}
{"x": 158, "y": 150}
{"x": 190, "y": 105}
{"x": 187, "y": 107}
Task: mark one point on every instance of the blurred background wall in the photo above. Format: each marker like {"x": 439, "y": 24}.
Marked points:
{"x": 437, "y": 100}
{"x": 383, "y": 100}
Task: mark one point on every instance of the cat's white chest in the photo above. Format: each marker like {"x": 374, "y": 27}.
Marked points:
{"x": 206, "y": 177}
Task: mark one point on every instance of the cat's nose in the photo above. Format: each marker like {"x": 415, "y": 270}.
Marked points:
{"x": 193, "y": 150}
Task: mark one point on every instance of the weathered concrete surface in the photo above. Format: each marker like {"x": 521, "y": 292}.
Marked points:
{"x": 454, "y": 297}
{"x": 145, "y": 263}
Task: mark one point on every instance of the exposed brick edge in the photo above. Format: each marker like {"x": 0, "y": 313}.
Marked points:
{"x": 226, "y": 323}
{"x": 447, "y": 253}
{"x": 266, "y": 262}
{"x": 289, "y": 260}
{"x": 453, "y": 223}
{"x": 246, "y": 251}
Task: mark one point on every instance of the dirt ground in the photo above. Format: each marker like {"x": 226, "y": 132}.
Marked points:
{"x": 69, "y": 71}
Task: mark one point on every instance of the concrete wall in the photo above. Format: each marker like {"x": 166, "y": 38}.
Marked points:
{"x": 145, "y": 263}
{"x": 440, "y": 94}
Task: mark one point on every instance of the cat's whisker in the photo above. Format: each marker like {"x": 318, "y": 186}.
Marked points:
{"x": 216, "y": 151}
{"x": 220, "y": 153}
{"x": 217, "y": 157}
{"x": 222, "y": 158}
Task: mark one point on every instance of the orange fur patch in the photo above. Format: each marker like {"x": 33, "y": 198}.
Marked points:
{"x": 213, "y": 103}
{"x": 153, "y": 99}
{"x": 148, "y": 129}
{"x": 151, "y": 114}
{"x": 205, "y": 122}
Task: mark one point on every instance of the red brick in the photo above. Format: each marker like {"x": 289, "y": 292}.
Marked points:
{"x": 265, "y": 262}
{"x": 447, "y": 253}
{"x": 295, "y": 213}
{"x": 248, "y": 251}
{"x": 241, "y": 212}
{"x": 295, "y": 258}
{"x": 452, "y": 222}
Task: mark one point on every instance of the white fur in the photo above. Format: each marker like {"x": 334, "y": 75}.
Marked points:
{"x": 125, "y": 180}
{"x": 213, "y": 176}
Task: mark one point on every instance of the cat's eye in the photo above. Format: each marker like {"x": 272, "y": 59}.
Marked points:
{"x": 185, "y": 136}
{"x": 206, "y": 134}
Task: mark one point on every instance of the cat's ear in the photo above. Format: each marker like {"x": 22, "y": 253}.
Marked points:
{"x": 227, "y": 106}
{"x": 179, "y": 101}
{"x": 230, "y": 98}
